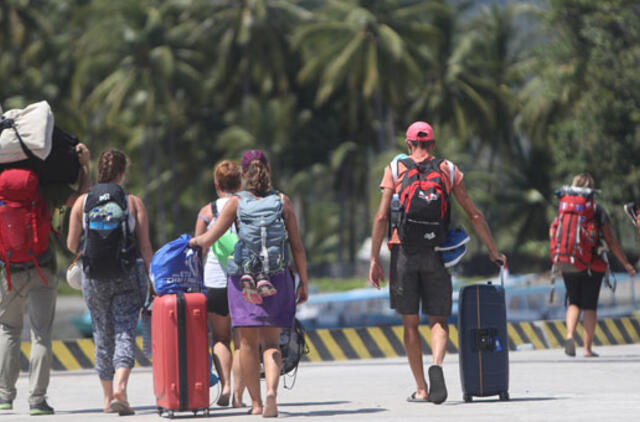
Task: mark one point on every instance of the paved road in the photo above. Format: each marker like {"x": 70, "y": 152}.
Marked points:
{"x": 545, "y": 386}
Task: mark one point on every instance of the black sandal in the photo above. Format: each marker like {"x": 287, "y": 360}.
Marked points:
{"x": 437, "y": 387}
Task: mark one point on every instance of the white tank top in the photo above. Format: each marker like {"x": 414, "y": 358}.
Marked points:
{"x": 215, "y": 276}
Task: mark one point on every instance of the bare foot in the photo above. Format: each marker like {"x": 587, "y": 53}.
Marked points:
{"x": 256, "y": 410}
{"x": 107, "y": 404}
{"x": 270, "y": 407}
{"x": 223, "y": 400}
{"x": 237, "y": 403}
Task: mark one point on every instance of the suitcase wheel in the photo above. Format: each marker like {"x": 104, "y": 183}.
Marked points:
{"x": 504, "y": 396}
{"x": 195, "y": 412}
{"x": 159, "y": 409}
{"x": 467, "y": 398}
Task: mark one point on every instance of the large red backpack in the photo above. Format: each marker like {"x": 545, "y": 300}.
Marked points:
{"x": 574, "y": 232}
{"x": 25, "y": 221}
{"x": 425, "y": 204}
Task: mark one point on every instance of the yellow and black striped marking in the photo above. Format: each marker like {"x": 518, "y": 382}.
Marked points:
{"x": 374, "y": 342}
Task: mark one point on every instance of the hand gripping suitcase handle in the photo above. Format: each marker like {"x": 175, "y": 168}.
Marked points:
{"x": 503, "y": 272}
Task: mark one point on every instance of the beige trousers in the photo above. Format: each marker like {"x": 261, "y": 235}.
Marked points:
{"x": 31, "y": 294}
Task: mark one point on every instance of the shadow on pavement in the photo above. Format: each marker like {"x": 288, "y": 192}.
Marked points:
{"x": 480, "y": 400}
{"x": 317, "y": 403}
{"x": 335, "y": 412}
{"x": 138, "y": 409}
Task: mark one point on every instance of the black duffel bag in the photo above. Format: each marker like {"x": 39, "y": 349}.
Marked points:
{"x": 60, "y": 166}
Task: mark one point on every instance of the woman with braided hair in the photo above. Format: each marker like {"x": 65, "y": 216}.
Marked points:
{"x": 116, "y": 254}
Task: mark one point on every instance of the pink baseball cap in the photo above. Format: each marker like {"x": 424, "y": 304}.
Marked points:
{"x": 253, "y": 155}
{"x": 420, "y": 131}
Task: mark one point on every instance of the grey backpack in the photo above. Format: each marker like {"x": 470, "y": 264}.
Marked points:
{"x": 262, "y": 233}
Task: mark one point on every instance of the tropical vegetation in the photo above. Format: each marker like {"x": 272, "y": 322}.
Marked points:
{"x": 522, "y": 96}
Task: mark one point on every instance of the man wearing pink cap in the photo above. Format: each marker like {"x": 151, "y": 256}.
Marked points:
{"x": 417, "y": 273}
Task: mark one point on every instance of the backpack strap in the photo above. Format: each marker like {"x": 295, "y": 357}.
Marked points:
{"x": 452, "y": 171}
{"x": 394, "y": 170}
{"x": 408, "y": 163}
{"x": 214, "y": 209}
{"x": 7, "y": 265}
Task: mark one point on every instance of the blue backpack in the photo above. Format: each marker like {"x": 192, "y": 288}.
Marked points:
{"x": 176, "y": 268}
{"x": 262, "y": 233}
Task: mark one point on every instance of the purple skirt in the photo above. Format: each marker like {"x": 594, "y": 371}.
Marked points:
{"x": 278, "y": 310}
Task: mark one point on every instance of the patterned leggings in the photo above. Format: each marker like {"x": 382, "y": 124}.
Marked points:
{"x": 114, "y": 306}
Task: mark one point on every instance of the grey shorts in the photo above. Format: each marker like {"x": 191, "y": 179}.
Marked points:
{"x": 419, "y": 277}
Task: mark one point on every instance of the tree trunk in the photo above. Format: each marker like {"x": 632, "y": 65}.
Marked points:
{"x": 380, "y": 117}
{"x": 174, "y": 200}
{"x": 146, "y": 164}
{"x": 161, "y": 215}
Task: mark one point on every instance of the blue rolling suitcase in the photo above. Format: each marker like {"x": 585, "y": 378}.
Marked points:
{"x": 483, "y": 341}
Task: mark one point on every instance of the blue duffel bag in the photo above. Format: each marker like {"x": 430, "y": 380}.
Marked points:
{"x": 177, "y": 268}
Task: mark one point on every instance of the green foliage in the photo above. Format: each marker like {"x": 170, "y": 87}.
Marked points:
{"x": 338, "y": 284}
{"x": 521, "y": 96}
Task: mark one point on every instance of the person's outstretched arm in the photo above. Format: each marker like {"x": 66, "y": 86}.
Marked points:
{"x": 617, "y": 249}
{"x": 479, "y": 224}
{"x": 380, "y": 222}
{"x": 297, "y": 250}
{"x": 222, "y": 224}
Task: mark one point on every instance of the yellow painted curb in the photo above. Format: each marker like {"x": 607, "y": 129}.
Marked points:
{"x": 371, "y": 342}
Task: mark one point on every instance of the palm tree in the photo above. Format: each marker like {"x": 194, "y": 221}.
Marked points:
{"x": 24, "y": 31}
{"x": 248, "y": 39}
{"x": 361, "y": 57}
{"x": 450, "y": 92}
{"x": 148, "y": 77}
{"x": 365, "y": 52}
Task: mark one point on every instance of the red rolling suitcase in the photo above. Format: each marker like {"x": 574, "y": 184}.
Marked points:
{"x": 180, "y": 353}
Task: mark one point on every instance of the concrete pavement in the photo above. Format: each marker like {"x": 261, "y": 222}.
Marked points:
{"x": 545, "y": 386}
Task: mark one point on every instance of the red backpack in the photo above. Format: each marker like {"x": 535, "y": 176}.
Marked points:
{"x": 425, "y": 204}
{"x": 25, "y": 221}
{"x": 574, "y": 232}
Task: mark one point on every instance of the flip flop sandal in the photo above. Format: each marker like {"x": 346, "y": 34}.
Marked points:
{"x": 251, "y": 295}
{"x": 121, "y": 407}
{"x": 413, "y": 399}
{"x": 265, "y": 288}
{"x": 249, "y": 292}
{"x": 570, "y": 347}
{"x": 437, "y": 388}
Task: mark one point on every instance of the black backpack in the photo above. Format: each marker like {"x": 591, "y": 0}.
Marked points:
{"x": 425, "y": 204}
{"x": 293, "y": 346}
{"x": 109, "y": 250}
{"x": 60, "y": 166}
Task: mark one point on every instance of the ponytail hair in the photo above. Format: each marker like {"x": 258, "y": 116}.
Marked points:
{"x": 257, "y": 178}
{"x": 111, "y": 164}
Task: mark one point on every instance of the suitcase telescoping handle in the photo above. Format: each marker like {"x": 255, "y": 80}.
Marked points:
{"x": 503, "y": 271}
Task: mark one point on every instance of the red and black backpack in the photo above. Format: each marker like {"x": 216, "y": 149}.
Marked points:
{"x": 25, "y": 222}
{"x": 574, "y": 232}
{"x": 425, "y": 204}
